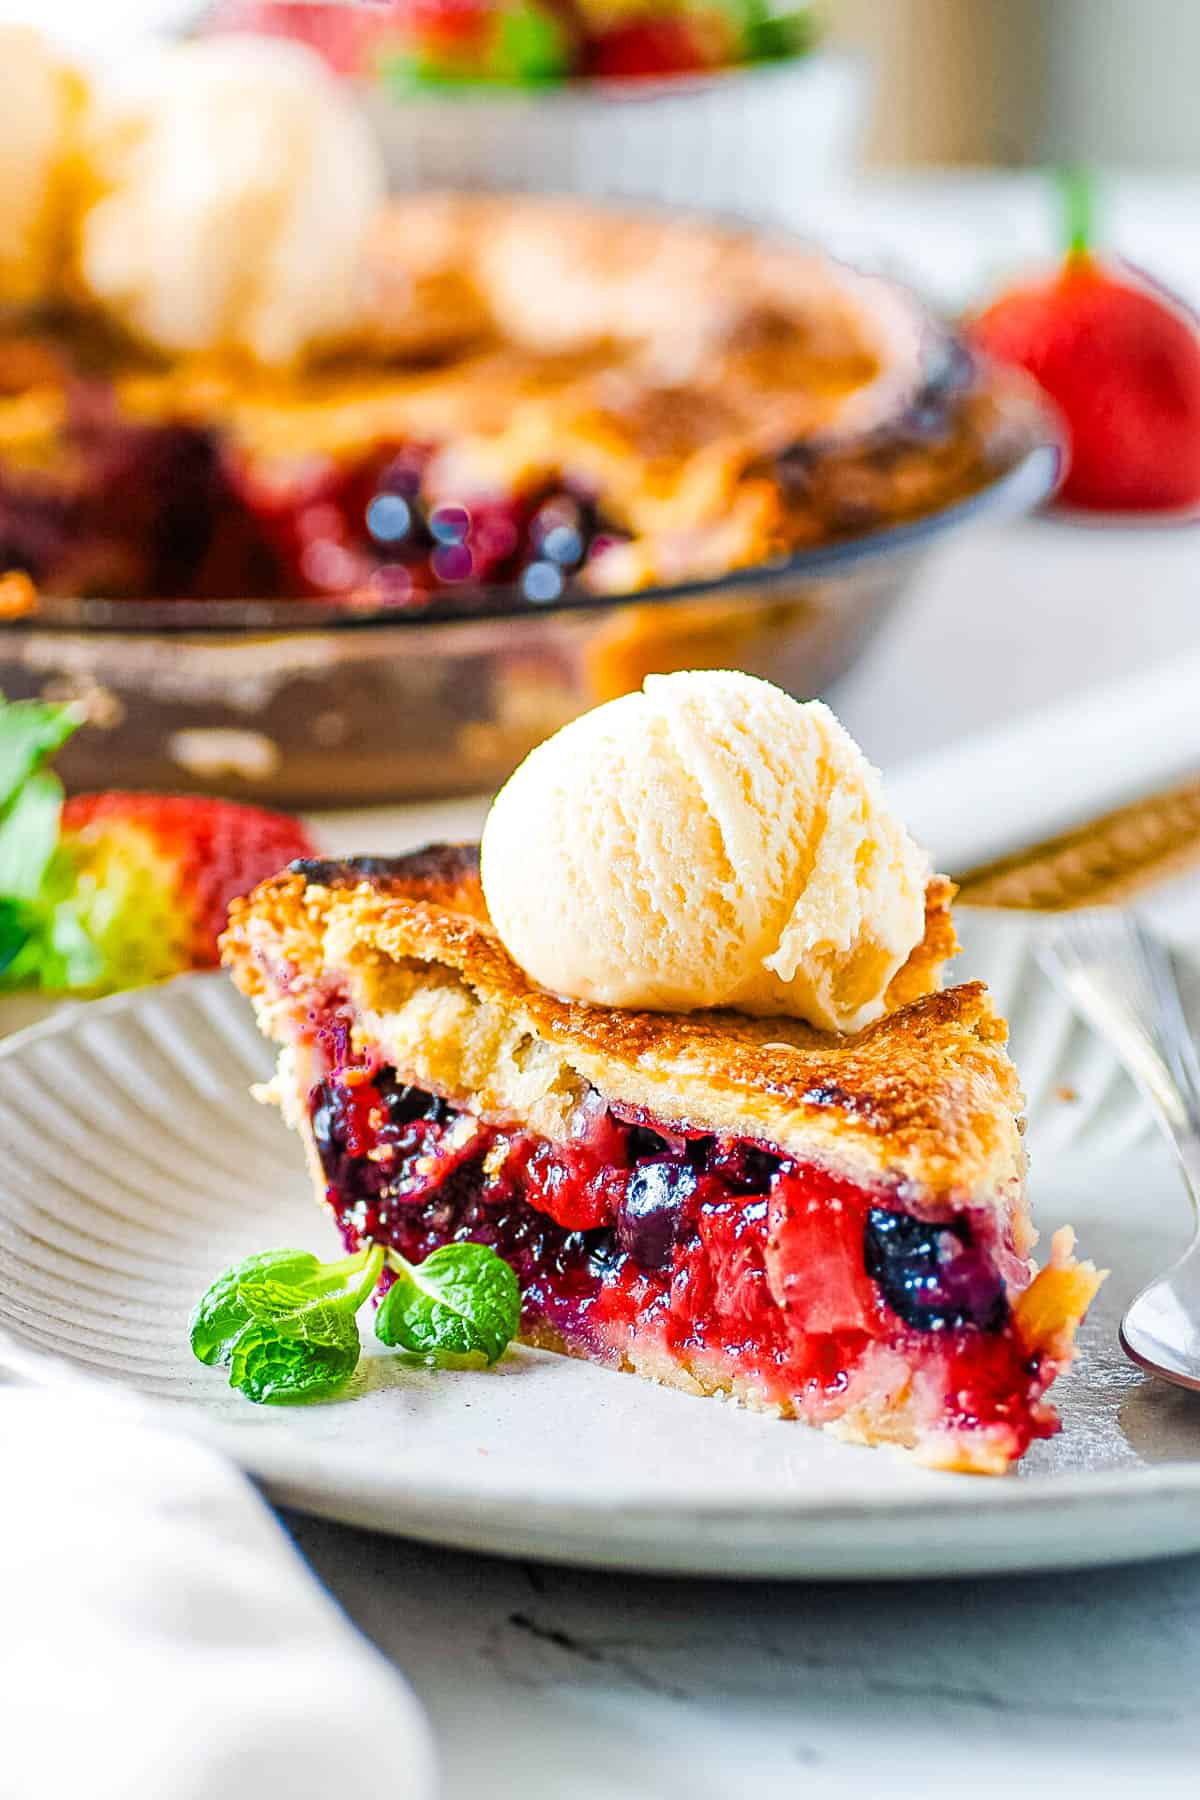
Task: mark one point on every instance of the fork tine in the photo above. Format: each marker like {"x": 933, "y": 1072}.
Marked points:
{"x": 1120, "y": 976}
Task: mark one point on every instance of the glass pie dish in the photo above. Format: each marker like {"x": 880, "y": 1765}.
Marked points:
{"x": 564, "y": 447}
{"x": 301, "y": 703}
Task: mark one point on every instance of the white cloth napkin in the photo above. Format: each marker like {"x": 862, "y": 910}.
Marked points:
{"x": 1043, "y": 773}
{"x": 162, "y": 1640}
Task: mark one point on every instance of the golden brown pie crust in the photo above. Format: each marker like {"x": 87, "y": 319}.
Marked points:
{"x": 663, "y": 364}
{"x": 926, "y": 1094}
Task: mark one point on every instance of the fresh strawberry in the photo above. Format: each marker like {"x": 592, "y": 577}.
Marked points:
{"x": 111, "y": 890}
{"x": 444, "y": 24}
{"x": 646, "y": 47}
{"x": 1121, "y": 358}
{"x": 161, "y": 869}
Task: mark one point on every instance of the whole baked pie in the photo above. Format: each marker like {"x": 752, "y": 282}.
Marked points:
{"x": 827, "y": 1227}
{"x": 538, "y": 396}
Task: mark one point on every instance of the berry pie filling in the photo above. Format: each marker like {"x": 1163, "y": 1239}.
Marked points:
{"x": 712, "y": 1262}
{"x": 369, "y": 527}
{"x": 100, "y": 498}
{"x": 134, "y": 510}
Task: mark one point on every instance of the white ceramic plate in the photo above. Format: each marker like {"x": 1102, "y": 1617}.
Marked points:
{"x": 136, "y": 1167}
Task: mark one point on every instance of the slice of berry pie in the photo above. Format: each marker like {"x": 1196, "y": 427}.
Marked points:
{"x": 829, "y": 1228}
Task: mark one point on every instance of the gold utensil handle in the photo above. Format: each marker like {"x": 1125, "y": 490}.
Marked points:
{"x": 1100, "y": 863}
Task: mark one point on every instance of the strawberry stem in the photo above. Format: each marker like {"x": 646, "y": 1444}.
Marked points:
{"x": 1078, "y": 193}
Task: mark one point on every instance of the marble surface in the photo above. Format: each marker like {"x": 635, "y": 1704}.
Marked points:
{"x": 546, "y": 1682}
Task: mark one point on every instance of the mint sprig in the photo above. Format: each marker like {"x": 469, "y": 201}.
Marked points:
{"x": 285, "y": 1324}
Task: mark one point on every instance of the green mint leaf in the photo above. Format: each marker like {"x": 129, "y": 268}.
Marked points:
{"x": 770, "y": 29}
{"x": 30, "y": 731}
{"x": 285, "y": 1323}
{"x": 462, "y": 1300}
{"x": 303, "y": 1357}
{"x": 235, "y": 1298}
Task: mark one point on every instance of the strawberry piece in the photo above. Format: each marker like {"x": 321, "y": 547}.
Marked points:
{"x": 646, "y": 47}
{"x": 814, "y": 1254}
{"x": 1121, "y": 358}
{"x": 158, "y": 872}
{"x": 445, "y": 24}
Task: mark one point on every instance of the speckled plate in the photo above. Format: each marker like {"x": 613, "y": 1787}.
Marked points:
{"x": 136, "y": 1166}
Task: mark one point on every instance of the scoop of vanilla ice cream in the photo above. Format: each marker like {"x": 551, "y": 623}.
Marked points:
{"x": 40, "y": 100}
{"x": 707, "y": 842}
{"x": 236, "y": 183}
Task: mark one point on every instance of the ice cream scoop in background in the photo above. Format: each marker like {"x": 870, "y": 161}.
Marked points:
{"x": 41, "y": 102}
{"x": 210, "y": 198}
{"x": 707, "y": 842}
{"x": 235, "y": 184}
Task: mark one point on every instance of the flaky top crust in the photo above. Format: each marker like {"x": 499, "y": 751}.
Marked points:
{"x": 678, "y": 292}
{"x": 506, "y": 322}
{"x": 728, "y": 396}
{"x": 927, "y": 1095}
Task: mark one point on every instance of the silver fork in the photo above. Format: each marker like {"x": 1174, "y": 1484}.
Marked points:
{"x": 1119, "y": 976}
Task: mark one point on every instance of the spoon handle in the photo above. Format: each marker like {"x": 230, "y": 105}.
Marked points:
{"x": 1120, "y": 977}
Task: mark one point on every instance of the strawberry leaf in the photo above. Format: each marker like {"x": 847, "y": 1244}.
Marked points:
{"x": 17, "y": 925}
{"x": 41, "y": 946}
{"x": 30, "y": 731}
{"x": 29, "y": 835}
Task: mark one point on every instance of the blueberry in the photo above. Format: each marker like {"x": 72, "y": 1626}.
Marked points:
{"x": 542, "y": 581}
{"x": 741, "y": 1166}
{"x": 651, "y": 1210}
{"x": 563, "y": 544}
{"x": 389, "y": 518}
{"x": 641, "y": 1143}
{"x": 453, "y": 562}
{"x": 933, "y": 1275}
{"x": 600, "y": 1251}
{"x": 403, "y": 1105}
{"x": 450, "y": 524}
